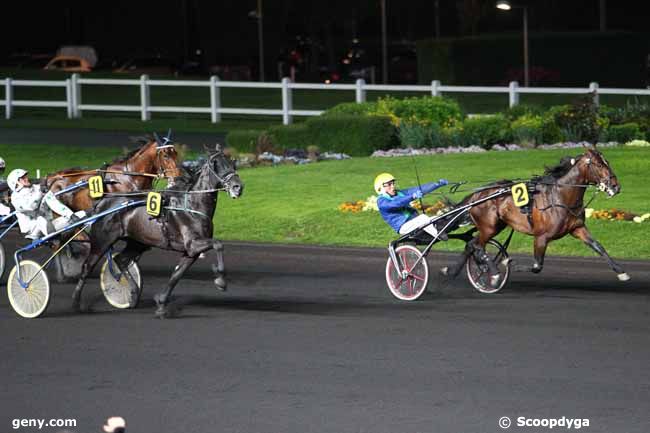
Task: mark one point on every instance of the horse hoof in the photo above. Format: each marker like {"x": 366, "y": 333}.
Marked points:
{"x": 444, "y": 271}
{"x": 494, "y": 280}
{"x": 623, "y": 277}
{"x": 220, "y": 284}
{"x": 168, "y": 311}
{"x": 506, "y": 262}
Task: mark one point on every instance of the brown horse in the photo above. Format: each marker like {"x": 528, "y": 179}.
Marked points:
{"x": 156, "y": 158}
{"x": 557, "y": 209}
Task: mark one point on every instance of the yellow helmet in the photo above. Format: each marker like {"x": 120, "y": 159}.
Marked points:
{"x": 381, "y": 179}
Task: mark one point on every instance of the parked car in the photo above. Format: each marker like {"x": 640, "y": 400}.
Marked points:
{"x": 68, "y": 64}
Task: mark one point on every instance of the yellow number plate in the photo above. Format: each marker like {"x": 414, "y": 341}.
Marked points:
{"x": 154, "y": 202}
{"x": 520, "y": 194}
{"x": 96, "y": 187}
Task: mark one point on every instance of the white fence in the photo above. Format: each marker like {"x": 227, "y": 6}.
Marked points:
{"x": 74, "y": 105}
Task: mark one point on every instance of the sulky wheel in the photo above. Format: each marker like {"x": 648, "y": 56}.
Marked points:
{"x": 412, "y": 282}
{"x": 479, "y": 275}
{"x": 116, "y": 286}
{"x": 2, "y": 260}
{"x": 31, "y": 301}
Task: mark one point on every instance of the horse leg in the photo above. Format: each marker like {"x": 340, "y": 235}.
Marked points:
{"x": 584, "y": 235}
{"x": 131, "y": 252}
{"x": 162, "y": 299}
{"x": 93, "y": 258}
{"x": 453, "y": 270}
{"x": 219, "y": 268}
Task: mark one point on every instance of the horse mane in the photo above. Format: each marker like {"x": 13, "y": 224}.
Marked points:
{"x": 189, "y": 174}
{"x": 141, "y": 141}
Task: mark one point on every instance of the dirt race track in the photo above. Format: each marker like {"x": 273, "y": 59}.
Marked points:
{"x": 310, "y": 340}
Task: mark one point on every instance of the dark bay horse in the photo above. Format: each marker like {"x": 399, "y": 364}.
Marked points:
{"x": 185, "y": 225}
{"x": 557, "y": 209}
{"x": 156, "y": 157}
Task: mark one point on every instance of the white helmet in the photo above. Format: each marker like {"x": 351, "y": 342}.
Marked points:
{"x": 12, "y": 179}
{"x": 2, "y": 164}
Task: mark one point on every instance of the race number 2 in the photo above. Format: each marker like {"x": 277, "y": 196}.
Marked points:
{"x": 154, "y": 202}
{"x": 520, "y": 194}
{"x": 96, "y": 187}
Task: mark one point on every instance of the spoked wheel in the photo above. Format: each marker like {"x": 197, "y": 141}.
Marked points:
{"x": 32, "y": 301}
{"x": 412, "y": 282}
{"x": 116, "y": 286}
{"x": 2, "y": 260}
{"x": 479, "y": 274}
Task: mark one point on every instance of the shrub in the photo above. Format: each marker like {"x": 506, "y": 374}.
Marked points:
{"x": 624, "y": 133}
{"x": 581, "y": 121}
{"x": 243, "y": 140}
{"x": 294, "y": 136}
{"x": 527, "y": 130}
{"x": 633, "y": 111}
{"x": 486, "y": 131}
{"x": 428, "y": 109}
{"x": 414, "y": 134}
{"x": 352, "y": 109}
{"x": 354, "y": 135}
{"x": 521, "y": 110}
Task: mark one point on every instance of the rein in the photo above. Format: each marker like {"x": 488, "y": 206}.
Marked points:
{"x": 99, "y": 170}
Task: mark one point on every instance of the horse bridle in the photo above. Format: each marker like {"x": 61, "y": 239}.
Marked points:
{"x": 225, "y": 180}
{"x": 604, "y": 183}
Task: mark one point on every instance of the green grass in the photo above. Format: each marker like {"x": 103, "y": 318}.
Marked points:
{"x": 230, "y": 97}
{"x": 298, "y": 204}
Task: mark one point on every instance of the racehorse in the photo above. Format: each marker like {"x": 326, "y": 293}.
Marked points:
{"x": 155, "y": 158}
{"x": 557, "y": 209}
{"x": 185, "y": 225}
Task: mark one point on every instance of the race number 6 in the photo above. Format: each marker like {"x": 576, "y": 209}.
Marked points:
{"x": 96, "y": 187}
{"x": 520, "y": 194}
{"x": 154, "y": 202}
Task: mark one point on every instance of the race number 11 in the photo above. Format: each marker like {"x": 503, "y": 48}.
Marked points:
{"x": 520, "y": 194}
{"x": 154, "y": 202}
{"x": 96, "y": 187}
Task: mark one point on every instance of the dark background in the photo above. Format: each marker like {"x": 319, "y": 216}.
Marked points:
{"x": 225, "y": 34}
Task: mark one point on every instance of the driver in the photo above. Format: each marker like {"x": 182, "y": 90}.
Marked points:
{"x": 27, "y": 198}
{"x": 394, "y": 205}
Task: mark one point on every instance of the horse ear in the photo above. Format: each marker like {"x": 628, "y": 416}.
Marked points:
{"x": 206, "y": 148}
{"x": 168, "y": 138}
{"x": 157, "y": 138}
{"x": 218, "y": 147}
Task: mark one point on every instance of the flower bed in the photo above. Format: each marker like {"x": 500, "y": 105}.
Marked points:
{"x": 615, "y": 215}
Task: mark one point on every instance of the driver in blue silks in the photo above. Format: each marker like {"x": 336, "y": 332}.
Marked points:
{"x": 394, "y": 205}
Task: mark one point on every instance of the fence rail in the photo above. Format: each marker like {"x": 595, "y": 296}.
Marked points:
{"x": 75, "y": 107}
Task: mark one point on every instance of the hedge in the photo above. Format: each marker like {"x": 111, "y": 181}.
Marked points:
{"x": 354, "y": 135}
{"x": 295, "y": 136}
{"x": 624, "y": 133}
{"x": 245, "y": 141}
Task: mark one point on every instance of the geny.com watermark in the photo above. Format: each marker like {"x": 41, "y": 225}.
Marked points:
{"x": 549, "y": 423}
{"x": 41, "y": 423}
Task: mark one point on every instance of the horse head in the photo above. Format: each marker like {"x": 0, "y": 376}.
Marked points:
{"x": 597, "y": 171}
{"x": 165, "y": 159}
{"x": 223, "y": 168}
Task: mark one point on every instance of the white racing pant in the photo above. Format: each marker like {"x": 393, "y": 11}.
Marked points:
{"x": 416, "y": 223}
{"x": 39, "y": 228}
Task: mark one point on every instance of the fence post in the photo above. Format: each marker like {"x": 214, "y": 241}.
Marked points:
{"x": 68, "y": 97}
{"x": 593, "y": 88}
{"x": 215, "y": 99}
{"x": 145, "y": 99}
{"x": 76, "y": 96}
{"x": 435, "y": 88}
{"x": 287, "y": 103}
{"x": 360, "y": 91}
{"x": 513, "y": 91}
{"x": 9, "y": 96}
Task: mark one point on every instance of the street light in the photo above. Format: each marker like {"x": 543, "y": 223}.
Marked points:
{"x": 257, "y": 14}
{"x": 505, "y": 5}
